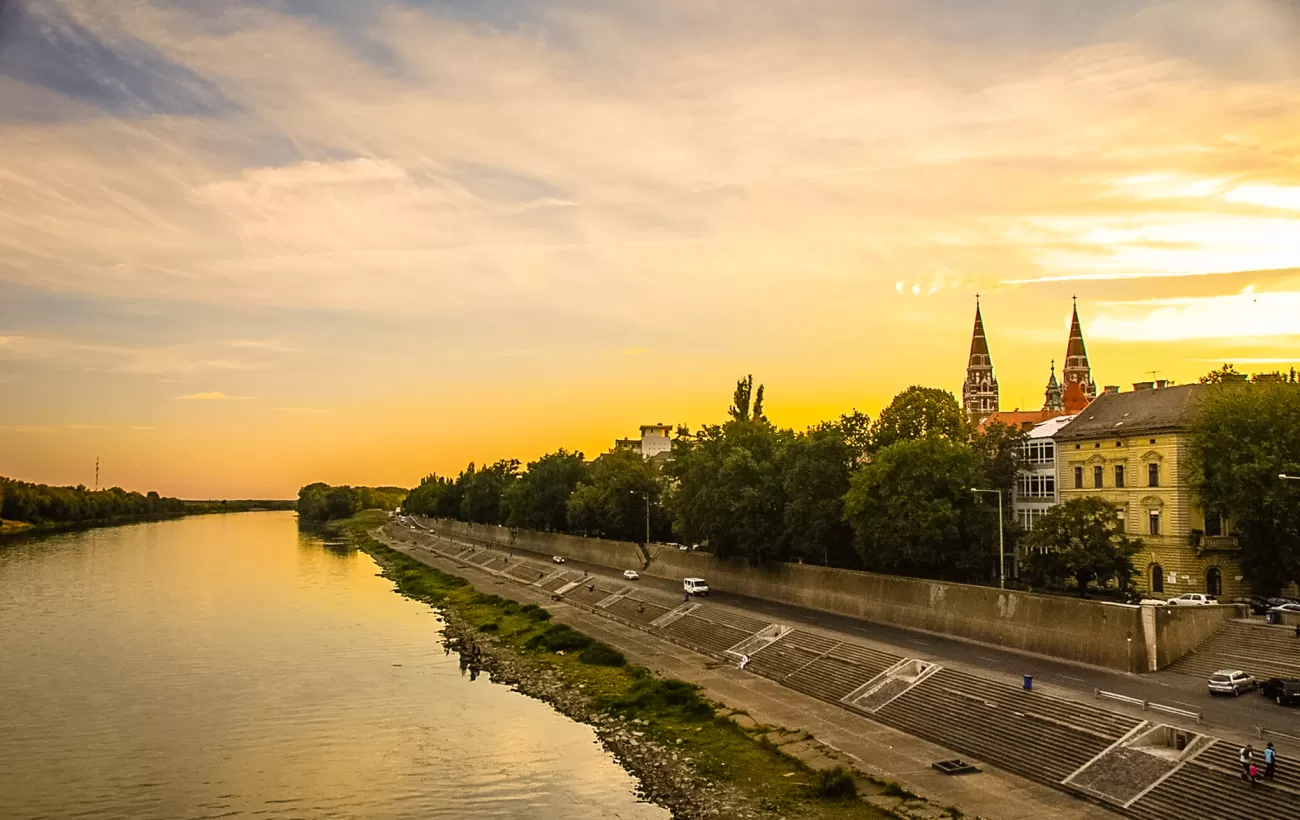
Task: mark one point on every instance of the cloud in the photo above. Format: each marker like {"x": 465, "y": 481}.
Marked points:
{"x": 211, "y": 395}
{"x": 156, "y": 360}
{"x": 142, "y": 427}
{"x": 32, "y": 428}
{"x": 305, "y": 410}
{"x": 88, "y": 427}
{"x": 1246, "y": 315}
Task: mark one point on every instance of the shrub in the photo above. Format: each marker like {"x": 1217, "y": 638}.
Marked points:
{"x": 598, "y": 654}
{"x": 893, "y": 789}
{"x": 835, "y": 784}
{"x": 491, "y": 626}
{"x": 559, "y": 638}
{"x": 535, "y": 613}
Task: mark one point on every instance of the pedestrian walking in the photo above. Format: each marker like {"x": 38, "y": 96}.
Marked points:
{"x": 744, "y": 659}
{"x": 1270, "y": 761}
{"x": 686, "y": 597}
{"x": 1254, "y": 774}
{"x": 1246, "y": 754}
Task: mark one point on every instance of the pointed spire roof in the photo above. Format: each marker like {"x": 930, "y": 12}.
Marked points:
{"x": 979, "y": 345}
{"x": 1053, "y": 402}
{"x": 1075, "y": 347}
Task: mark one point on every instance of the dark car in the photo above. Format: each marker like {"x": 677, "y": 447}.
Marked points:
{"x": 1285, "y": 691}
{"x": 1258, "y": 604}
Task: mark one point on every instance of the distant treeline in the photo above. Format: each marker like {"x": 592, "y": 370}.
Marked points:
{"x": 41, "y": 505}
{"x": 319, "y": 502}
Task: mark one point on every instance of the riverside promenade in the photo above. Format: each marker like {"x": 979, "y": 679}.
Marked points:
{"x": 872, "y": 747}
{"x": 1141, "y": 765}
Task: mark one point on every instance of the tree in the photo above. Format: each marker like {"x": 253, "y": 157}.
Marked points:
{"x": 612, "y": 503}
{"x": 423, "y": 500}
{"x": 739, "y": 410}
{"x": 481, "y": 497}
{"x": 1082, "y": 539}
{"x": 539, "y": 499}
{"x": 913, "y": 511}
{"x": 919, "y": 412}
{"x": 1001, "y": 446}
{"x": 1242, "y": 438}
{"x": 817, "y": 466}
{"x": 1227, "y": 373}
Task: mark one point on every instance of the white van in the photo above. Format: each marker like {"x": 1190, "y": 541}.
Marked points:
{"x": 695, "y": 586}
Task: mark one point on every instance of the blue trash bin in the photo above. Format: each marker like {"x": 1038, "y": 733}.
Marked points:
{"x": 1029, "y": 683}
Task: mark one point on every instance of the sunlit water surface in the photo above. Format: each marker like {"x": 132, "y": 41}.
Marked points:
{"x": 227, "y": 666}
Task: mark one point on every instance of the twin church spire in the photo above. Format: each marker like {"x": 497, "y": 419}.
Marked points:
{"x": 1070, "y": 395}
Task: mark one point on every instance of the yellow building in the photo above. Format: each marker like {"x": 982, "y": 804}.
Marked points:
{"x": 1131, "y": 449}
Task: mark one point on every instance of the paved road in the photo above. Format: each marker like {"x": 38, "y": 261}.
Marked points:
{"x": 1238, "y": 715}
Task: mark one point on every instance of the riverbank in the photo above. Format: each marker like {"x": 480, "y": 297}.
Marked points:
{"x": 697, "y": 758}
{"x": 22, "y": 529}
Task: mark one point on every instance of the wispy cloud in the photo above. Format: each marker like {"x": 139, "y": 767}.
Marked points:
{"x": 1246, "y": 315}
{"x": 211, "y": 395}
{"x": 88, "y": 427}
{"x": 305, "y": 410}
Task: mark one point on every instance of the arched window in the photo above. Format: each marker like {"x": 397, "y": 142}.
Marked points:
{"x": 1213, "y": 581}
{"x": 1157, "y": 576}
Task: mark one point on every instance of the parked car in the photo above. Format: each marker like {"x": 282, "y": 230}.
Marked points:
{"x": 631, "y": 575}
{"x": 559, "y": 559}
{"x": 1257, "y": 603}
{"x": 1286, "y": 608}
{"x": 695, "y": 586}
{"x": 1285, "y": 691}
{"x": 1231, "y": 682}
{"x": 1193, "y": 599}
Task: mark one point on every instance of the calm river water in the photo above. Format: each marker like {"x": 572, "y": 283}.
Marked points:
{"x": 227, "y": 666}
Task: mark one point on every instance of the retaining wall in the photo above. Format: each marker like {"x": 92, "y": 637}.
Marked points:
{"x": 1113, "y": 636}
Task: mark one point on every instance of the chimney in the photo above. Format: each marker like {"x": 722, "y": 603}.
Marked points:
{"x": 1162, "y": 384}
{"x": 1111, "y": 388}
{"x": 1144, "y": 385}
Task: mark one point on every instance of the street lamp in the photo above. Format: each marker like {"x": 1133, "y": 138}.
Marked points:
{"x": 1286, "y": 477}
{"x": 646, "y": 496}
{"x": 1002, "y": 555}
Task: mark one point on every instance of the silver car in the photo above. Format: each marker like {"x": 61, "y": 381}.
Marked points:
{"x": 1231, "y": 682}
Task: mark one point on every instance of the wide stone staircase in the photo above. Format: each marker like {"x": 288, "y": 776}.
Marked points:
{"x": 1041, "y": 737}
{"x": 1263, "y": 650}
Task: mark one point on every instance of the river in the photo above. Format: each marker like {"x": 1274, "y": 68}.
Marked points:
{"x": 229, "y": 666}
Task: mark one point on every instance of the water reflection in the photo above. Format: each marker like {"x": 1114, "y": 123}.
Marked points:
{"x": 231, "y": 666}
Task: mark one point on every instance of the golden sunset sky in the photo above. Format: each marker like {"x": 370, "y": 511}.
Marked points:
{"x": 245, "y": 246}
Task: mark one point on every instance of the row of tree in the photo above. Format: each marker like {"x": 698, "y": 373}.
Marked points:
{"x": 319, "y": 502}
{"x": 893, "y": 494}
{"x": 42, "y": 504}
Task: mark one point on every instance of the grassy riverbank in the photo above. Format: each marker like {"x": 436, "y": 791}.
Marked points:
{"x": 671, "y": 713}
{"x": 20, "y": 529}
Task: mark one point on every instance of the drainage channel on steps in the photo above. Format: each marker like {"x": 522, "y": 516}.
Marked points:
{"x": 1137, "y": 763}
{"x": 761, "y": 639}
{"x": 871, "y": 696}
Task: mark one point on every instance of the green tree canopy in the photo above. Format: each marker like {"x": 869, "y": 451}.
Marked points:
{"x": 817, "y": 465}
{"x": 482, "y": 491}
{"x": 423, "y": 500}
{"x": 919, "y": 412}
{"x": 1082, "y": 539}
{"x": 539, "y": 499}
{"x": 913, "y": 511}
{"x": 1243, "y": 438}
{"x": 319, "y": 502}
{"x": 612, "y": 503}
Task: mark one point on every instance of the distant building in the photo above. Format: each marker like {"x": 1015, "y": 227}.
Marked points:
{"x": 1035, "y": 492}
{"x": 1131, "y": 449}
{"x": 655, "y": 442}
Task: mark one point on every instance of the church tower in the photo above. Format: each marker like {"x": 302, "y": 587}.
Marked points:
{"x": 1076, "y": 368}
{"x": 979, "y": 393}
{"x": 1053, "y": 397}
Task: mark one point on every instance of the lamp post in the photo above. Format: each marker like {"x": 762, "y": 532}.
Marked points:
{"x": 1002, "y": 556}
{"x": 1286, "y": 477}
{"x": 646, "y": 496}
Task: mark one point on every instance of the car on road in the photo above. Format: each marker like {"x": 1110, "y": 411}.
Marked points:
{"x": 1193, "y": 599}
{"x": 1286, "y": 608}
{"x": 695, "y": 586}
{"x": 559, "y": 559}
{"x": 1231, "y": 682}
{"x": 631, "y": 575}
{"x": 1284, "y": 691}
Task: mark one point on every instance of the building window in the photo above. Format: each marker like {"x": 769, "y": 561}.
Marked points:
{"x": 1119, "y": 475}
{"x": 1078, "y": 478}
{"x": 1153, "y": 474}
{"x": 1157, "y": 574}
{"x": 1154, "y": 518}
{"x": 1097, "y": 472}
{"x": 1213, "y": 581}
{"x": 1213, "y": 524}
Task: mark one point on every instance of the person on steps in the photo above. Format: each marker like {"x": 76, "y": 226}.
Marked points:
{"x": 1244, "y": 757}
{"x": 744, "y": 659}
{"x": 1270, "y": 761}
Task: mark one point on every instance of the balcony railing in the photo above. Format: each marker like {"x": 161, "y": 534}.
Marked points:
{"x": 1206, "y": 543}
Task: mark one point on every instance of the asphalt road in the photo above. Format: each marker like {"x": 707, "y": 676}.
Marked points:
{"x": 1240, "y": 715}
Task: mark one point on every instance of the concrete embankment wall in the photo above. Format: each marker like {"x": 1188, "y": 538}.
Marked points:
{"x": 1107, "y": 635}
{"x": 1180, "y": 629}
